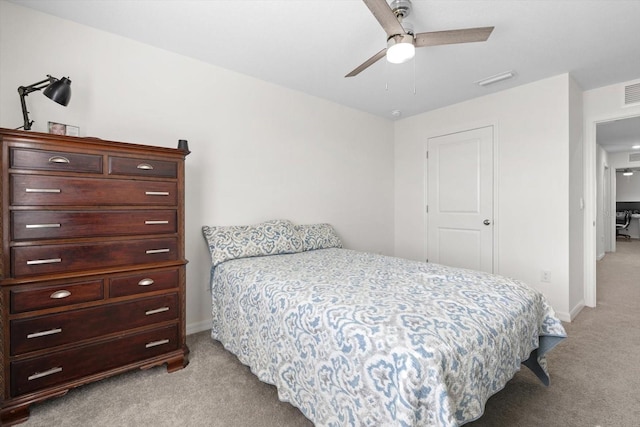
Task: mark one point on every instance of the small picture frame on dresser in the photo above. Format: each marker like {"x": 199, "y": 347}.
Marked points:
{"x": 63, "y": 129}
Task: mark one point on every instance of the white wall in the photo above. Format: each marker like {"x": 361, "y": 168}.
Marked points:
{"x": 599, "y": 106}
{"x": 576, "y": 200}
{"x": 532, "y": 172}
{"x": 259, "y": 151}
{"x": 628, "y": 187}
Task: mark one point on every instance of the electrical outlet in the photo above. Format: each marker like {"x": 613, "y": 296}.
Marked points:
{"x": 545, "y": 276}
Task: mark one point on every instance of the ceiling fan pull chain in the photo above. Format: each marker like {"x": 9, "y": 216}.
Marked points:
{"x": 386, "y": 77}
{"x": 414, "y": 75}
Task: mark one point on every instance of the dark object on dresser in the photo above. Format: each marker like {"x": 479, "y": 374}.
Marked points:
{"x": 92, "y": 267}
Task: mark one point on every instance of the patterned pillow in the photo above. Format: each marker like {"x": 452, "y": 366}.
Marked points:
{"x": 318, "y": 236}
{"x": 267, "y": 238}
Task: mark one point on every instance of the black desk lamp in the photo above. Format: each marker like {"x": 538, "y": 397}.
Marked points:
{"x": 56, "y": 90}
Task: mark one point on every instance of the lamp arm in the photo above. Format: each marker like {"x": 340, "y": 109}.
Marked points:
{"x": 26, "y": 90}
{"x": 25, "y": 113}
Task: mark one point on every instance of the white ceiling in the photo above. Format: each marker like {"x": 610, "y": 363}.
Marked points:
{"x": 619, "y": 135}
{"x": 309, "y": 45}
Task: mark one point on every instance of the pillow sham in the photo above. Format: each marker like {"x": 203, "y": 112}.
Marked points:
{"x": 318, "y": 236}
{"x": 267, "y": 238}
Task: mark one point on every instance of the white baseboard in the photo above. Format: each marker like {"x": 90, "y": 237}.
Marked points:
{"x": 565, "y": 317}
{"x": 568, "y": 317}
{"x": 193, "y": 328}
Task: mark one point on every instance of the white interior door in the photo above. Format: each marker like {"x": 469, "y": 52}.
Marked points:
{"x": 460, "y": 199}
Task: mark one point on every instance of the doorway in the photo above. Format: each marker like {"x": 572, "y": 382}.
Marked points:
{"x": 614, "y": 142}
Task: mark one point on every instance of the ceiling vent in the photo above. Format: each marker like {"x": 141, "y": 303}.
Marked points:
{"x": 634, "y": 157}
{"x": 632, "y": 94}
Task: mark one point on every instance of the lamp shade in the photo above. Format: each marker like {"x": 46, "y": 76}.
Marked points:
{"x": 59, "y": 91}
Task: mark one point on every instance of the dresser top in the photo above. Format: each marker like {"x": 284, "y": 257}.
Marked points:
{"x": 83, "y": 142}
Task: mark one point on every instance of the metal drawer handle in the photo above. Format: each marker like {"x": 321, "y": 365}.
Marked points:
{"x": 42, "y": 190}
{"x": 156, "y": 311}
{"x": 156, "y": 343}
{"x": 42, "y": 226}
{"x": 156, "y": 193}
{"x": 58, "y": 159}
{"x": 156, "y": 251}
{"x": 146, "y": 282}
{"x": 155, "y": 222}
{"x": 60, "y": 294}
{"x": 44, "y": 333}
{"x": 145, "y": 166}
{"x": 44, "y": 261}
{"x": 45, "y": 373}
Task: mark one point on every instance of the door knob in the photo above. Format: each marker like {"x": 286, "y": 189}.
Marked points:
{"x": 486, "y": 222}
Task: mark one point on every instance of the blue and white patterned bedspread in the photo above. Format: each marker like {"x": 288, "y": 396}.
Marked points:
{"x": 359, "y": 339}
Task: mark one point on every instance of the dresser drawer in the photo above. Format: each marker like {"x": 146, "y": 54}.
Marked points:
{"x": 76, "y": 325}
{"x": 33, "y": 190}
{"x": 144, "y": 167}
{"x": 58, "y": 367}
{"x": 23, "y": 158}
{"x": 36, "y": 298}
{"x": 36, "y": 225}
{"x": 47, "y": 259}
{"x": 145, "y": 282}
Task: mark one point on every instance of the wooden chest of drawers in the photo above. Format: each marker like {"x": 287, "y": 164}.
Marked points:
{"x": 92, "y": 268}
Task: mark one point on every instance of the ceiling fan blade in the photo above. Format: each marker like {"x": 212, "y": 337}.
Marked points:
{"x": 366, "y": 64}
{"x": 385, "y": 16}
{"x": 467, "y": 35}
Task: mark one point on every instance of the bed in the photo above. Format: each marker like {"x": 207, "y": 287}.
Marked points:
{"x": 360, "y": 339}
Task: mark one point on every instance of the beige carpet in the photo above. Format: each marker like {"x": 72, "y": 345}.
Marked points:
{"x": 595, "y": 378}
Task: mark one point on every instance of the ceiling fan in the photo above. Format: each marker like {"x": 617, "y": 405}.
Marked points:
{"x": 401, "y": 39}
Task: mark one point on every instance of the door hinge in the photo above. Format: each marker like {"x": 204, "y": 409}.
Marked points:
{"x": 427, "y": 154}
{"x": 426, "y": 209}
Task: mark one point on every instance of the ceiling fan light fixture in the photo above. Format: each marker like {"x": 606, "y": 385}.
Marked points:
{"x": 402, "y": 40}
{"x": 400, "y": 49}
